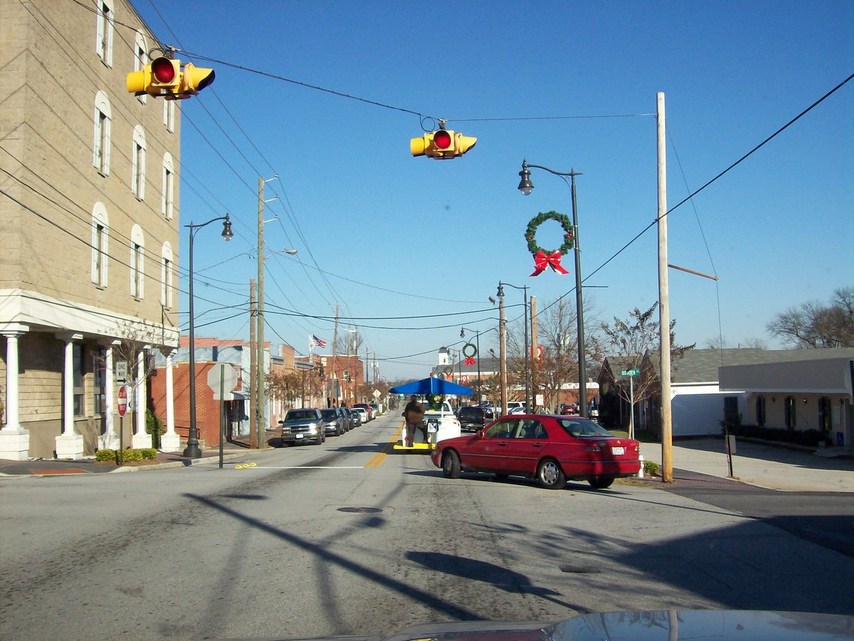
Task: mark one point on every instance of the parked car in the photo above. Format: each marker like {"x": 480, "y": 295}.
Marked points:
{"x": 550, "y": 448}
{"x": 368, "y": 410}
{"x": 364, "y": 416}
{"x": 349, "y": 422}
{"x": 355, "y": 416}
{"x": 303, "y": 425}
{"x": 471, "y": 419}
{"x": 333, "y": 421}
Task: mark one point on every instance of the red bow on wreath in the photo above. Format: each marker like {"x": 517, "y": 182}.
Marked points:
{"x": 470, "y": 360}
{"x": 543, "y": 260}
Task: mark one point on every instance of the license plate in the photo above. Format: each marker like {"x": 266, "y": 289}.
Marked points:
{"x": 299, "y": 435}
{"x": 618, "y": 450}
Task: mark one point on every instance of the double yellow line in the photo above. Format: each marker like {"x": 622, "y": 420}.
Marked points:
{"x": 379, "y": 457}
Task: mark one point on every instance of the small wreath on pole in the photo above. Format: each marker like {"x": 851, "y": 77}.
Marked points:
{"x": 435, "y": 401}
{"x": 469, "y": 351}
{"x": 544, "y": 258}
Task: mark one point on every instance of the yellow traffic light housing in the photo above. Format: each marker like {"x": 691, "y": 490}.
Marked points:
{"x": 194, "y": 79}
{"x": 164, "y": 77}
{"x": 442, "y": 144}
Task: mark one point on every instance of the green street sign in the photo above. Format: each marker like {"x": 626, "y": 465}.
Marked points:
{"x": 630, "y": 372}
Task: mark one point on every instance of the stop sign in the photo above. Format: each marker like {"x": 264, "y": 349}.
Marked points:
{"x": 123, "y": 400}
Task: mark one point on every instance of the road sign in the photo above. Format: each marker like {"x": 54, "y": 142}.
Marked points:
{"x": 630, "y": 372}
{"x": 122, "y": 400}
{"x": 121, "y": 371}
{"x": 228, "y": 375}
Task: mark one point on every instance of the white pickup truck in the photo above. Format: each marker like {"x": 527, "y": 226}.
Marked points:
{"x": 441, "y": 421}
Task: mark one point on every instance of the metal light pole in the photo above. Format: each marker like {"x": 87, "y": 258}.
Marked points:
{"x": 192, "y": 450}
{"x": 477, "y": 347}
{"x": 526, "y": 187}
{"x": 502, "y": 351}
{"x": 523, "y": 288}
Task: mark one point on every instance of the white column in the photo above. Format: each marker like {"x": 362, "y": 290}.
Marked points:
{"x": 69, "y": 444}
{"x": 140, "y": 438}
{"x": 170, "y": 442}
{"x": 14, "y": 439}
{"x": 110, "y": 438}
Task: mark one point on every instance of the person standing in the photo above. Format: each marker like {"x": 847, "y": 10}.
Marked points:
{"x": 413, "y": 416}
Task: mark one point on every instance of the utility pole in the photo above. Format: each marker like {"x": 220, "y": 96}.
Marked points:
{"x": 534, "y": 353}
{"x": 253, "y": 367}
{"x": 502, "y": 350}
{"x": 664, "y": 298}
{"x": 335, "y": 379}
{"x": 260, "y": 422}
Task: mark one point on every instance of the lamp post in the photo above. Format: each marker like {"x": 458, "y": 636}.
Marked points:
{"x": 477, "y": 348}
{"x": 523, "y": 288}
{"x": 526, "y": 187}
{"x": 192, "y": 450}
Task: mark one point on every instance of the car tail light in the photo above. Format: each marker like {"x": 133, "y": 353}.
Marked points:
{"x": 595, "y": 447}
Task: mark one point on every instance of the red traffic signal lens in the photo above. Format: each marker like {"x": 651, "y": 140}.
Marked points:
{"x": 163, "y": 70}
{"x": 442, "y": 139}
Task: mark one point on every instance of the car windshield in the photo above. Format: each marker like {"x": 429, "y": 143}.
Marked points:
{"x": 299, "y": 415}
{"x": 329, "y": 414}
{"x": 582, "y": 427}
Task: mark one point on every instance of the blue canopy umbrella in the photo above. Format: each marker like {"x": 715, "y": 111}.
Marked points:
{"x": 432, "y": 386}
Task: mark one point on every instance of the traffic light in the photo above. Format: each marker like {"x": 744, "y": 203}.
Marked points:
{"x": 195, "y": 79}
{"x": 441, "y": 144}
{"x": 164, "y": 77}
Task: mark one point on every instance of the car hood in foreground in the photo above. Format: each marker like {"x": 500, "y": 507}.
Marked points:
{"x": 648, "y": 625}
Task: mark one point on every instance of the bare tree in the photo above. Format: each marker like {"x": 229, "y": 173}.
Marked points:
{"x": 813, "y": 325}
{"x": 632, "y": 342}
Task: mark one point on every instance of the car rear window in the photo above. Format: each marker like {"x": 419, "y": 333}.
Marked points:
{"x": 329, "y": 413}
{"x": 582, "y": 427}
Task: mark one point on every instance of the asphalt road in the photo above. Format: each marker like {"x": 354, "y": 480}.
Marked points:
{"x": 352, "y": 537}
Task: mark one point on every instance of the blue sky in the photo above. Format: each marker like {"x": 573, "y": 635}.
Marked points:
{"x": 411, "y": 248}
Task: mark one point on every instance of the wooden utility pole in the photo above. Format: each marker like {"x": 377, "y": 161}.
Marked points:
{"x": 534, "y": 353}
{"x": 253, "y": 369}
{"x": 335, "y": 380}
{"x": 664, "y": 299}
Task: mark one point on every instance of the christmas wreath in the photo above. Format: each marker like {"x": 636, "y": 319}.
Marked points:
{"x": 469, "y": 351}
{"x": 549, "y": 258}
{"x": 435, "y": 401}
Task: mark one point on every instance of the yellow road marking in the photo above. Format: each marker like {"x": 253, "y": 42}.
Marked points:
{"x": 379, "y": 457}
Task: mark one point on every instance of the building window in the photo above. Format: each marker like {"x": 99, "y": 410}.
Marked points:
{"x": 760, "y": 411}
{"x": 137, "y": 263}
{"x": 169, "y": 115}
{"x": 78, "y": 380}
{"x": 140, "y": 59}
{"x": 166, "y": 277}
{"x": 100, "y": 245}
{"x": 824, "y": 415}
{"x": 790, "y": 412}
{"x": 167, "y": 199}
{"x": 102, "y": 121}
{"x": 104, "y": 41}
{"x": 138, "y": 163}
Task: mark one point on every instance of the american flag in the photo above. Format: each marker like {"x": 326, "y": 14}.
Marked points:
{"x": 314, "y": 340}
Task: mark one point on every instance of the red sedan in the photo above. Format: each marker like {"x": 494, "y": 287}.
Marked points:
{"x": 549, "y": 448}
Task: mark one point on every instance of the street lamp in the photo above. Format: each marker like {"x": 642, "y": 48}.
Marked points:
{"x": 192, "y": 450}
{"x": 523, "y": 288}
{"x": 477, "y": 348}
{"x": 526, "y": 187}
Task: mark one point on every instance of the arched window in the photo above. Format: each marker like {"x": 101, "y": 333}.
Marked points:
{"x": 137, "y": 262}
{"x": 167, "y": 199}
{"x": 166, "y": 276}
{"x": 105, "y": 27}
{"x": 100, "y": 242}
{"x": 140, "y": 58}
{"x": 137, "y": 180}
{"x": 102, "y": 121}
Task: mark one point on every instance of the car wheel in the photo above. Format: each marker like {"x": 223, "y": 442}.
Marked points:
{"x": 550, "y": 475}
{"x": 451, "y": 464}
{"x": 600, "y": 482}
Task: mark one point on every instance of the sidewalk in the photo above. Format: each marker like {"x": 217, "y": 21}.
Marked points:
{"x": 54, "y": 467}
{"x": 763, "y": 465}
